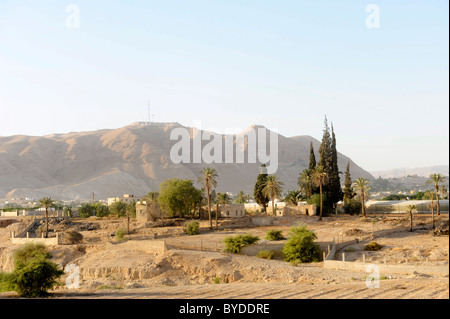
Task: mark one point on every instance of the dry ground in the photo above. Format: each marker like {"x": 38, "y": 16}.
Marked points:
{"x": 187, "y": 272}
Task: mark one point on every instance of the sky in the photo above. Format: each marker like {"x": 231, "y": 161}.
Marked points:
{"x": 378, "y": 70}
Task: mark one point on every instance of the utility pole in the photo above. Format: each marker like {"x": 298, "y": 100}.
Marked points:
{"x": 93, "y": 198}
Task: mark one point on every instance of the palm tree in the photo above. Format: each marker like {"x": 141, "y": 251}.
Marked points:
{"x": 436, "y": 179}
{"x": 362, "y": 185}
{"x": 430, "y": 195}
{"x": 273, "y": 189}
{"x": 242, "y": 198}
{"x": 320, "y": 178}
{"x": 410, "y": 209}
{"x": 305, "y": 182}
{"x": 208, "y": 179}
{"x": 46, "y": 202}
{"x": 293, "y": 197}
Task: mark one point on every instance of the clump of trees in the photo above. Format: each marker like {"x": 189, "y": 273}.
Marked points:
{"x": 320, "y": 182}
{"x": 179, "y": 197}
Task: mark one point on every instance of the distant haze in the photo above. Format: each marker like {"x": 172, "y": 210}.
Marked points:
{"x": 419, "y": 171}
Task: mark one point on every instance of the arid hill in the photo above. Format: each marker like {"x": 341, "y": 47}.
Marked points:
{"x": 134, "y": 159}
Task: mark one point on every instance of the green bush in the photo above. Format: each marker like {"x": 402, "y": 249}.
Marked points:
{"x": 34, "y": 273}
{"x": 234, "y": 244}
{"x": 274, "y": 235}
{"x": 120, "y": 234}
{"x": 5, "y": 282}
{"x": 192, "y": 227}
{"x": 373, "y": 246}
{"x": 352, "y": 207}
{"x": 265, "y": 254}
{"x": 300, "y": 248}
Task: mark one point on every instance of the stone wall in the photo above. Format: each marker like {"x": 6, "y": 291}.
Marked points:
{"x": 232, "y": 210}
{"x": 302, "y": 209}
{"x": 149, "y": 246}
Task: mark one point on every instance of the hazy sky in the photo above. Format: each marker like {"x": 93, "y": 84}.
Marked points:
{"x": 230, "y": 64}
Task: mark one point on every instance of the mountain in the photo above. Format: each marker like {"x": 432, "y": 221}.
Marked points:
{"x": 132, "y": 160}
{"x": 419, "y": 171}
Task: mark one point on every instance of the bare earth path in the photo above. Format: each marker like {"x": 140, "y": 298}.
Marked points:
{"x": 389, "y": 289}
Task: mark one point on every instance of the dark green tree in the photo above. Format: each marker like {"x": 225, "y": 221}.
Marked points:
{"x": 349, "y": 193}
{"x": 178, "y": 197}
{"x": 118, "y": 208}
{"x": 334, "y": 185}
{"x": 312, "y": 157}
{"x": 260, "y": 198}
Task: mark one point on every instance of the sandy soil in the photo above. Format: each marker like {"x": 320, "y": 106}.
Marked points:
{"x": 186, "y": 271}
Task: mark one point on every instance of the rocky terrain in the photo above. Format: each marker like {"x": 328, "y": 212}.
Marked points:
{"x": 196, "y": 265}
{"x": 134, "y": 159}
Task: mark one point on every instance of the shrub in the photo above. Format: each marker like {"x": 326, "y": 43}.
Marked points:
{"x": 274, "y": 235}
{"x": 373, "y": 246}
{"x": 34, "y": 273}
{"x": 216, "y": 280}
{"x": 120, "y": 234}
{"x": 300, "y": 247}
{"x": 352, "y": 207}
{"x": 192, "y": 227}
{"x": 72, "y": 237}
{"x": 235, "y": 244}
{"x": 5, "y": 282}
{"x": 266, "y": 254}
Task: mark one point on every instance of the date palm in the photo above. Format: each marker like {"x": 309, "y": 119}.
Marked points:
{"x": 430, "y": 195}
{"x": 273, "y": 189}
{"x": 46, "y": 202}
{"x": 293, "y": 197}
{"x": 242, "y": 198}
{"x": 362, "y": 185}
{"x": 208, "y": 179}
{"x": 305, "y": 182}
{"x": 320, "y": 178}
{"x": 436, "y": 179}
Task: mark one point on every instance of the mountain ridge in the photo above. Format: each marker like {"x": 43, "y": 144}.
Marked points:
{"x": 133, "y": 159}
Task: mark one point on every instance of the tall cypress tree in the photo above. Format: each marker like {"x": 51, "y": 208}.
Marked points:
{"x": 312, "y": 158}
{"x": 311, "y": 167}
{"x": 334, "y": 185}
{"x": 261, "y": 181}
{"x": 325, "y": 148}
{"x": 349, "y": 193}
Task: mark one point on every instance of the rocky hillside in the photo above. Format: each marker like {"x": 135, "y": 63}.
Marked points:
{"x": 134, "y": 159}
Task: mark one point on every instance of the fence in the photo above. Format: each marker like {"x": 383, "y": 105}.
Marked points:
{"x": 330, "y": 263}
{"x": 26, "y": 240}
{"x": 201, "y": 245}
